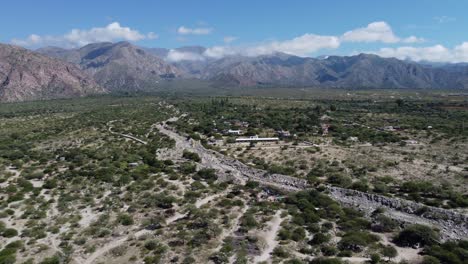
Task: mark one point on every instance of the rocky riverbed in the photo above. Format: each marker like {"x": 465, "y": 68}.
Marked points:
{"x": 453, "y": 225}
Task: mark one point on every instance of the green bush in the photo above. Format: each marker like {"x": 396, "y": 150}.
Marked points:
{"x": 9, "y": 232}
{"x": 417, "y": 235}
{"x": 191, "y": 156}
{"x": 320, "y": 238}
{"x": 51, "y": 260}
{"x": 356, "y": 241}
{"x": 430, "y": 260}
{"x": 207, "y": 174}
{"x": 449, "y": 252}
{"x": 389, "y": 252}
{"x": 322, "y": 260}
{"x": 125, "y": 219}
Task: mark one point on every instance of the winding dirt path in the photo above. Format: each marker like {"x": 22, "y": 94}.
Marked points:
{"x": 269, "y": 237}
{"x": 125, "y": 135}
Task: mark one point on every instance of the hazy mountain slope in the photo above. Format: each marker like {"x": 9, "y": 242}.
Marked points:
{"x": 120, "y": 66}
{"x": 27, "y": 75}
{"x": 124, "y": 67}
{"x": 275, "y": 69}
{"x": 361, "y": 71}
{"x": 376, "y": 72}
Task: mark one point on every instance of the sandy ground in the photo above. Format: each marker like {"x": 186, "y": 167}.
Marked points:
{"x": 234, "y": 226}
{"x": 409, "y": 254}
{"x": 269, "y": 238}
{"x": 115, "y": 242}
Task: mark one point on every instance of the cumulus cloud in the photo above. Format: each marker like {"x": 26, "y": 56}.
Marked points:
{"x": 194, "y": 31}
{"x": 307, "y": 44}
{"x": 436, "y": 53}
{"x": 218, "y": 52}
{"x": 378, "y": 31}
{"x": 175, "y": 56}
{"x": 79, "y": 37}
{"x": 301, "y": 46}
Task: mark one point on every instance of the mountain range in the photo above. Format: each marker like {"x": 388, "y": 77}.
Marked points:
{"x": 27, "y": 75}
{"x": 53, "y": 72}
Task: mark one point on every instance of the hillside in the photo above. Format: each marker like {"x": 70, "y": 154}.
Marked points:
{"x": 118, "y": 67}
{"x": 361, "y": 71}
{"x": 26, "y": 75}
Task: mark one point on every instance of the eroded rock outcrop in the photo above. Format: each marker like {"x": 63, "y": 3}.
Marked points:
{"x": 453, "y": 225}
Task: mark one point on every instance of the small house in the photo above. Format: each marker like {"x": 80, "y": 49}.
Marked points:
{"x": 234, "y": 132}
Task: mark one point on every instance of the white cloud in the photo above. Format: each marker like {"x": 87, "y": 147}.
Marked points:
{"x": 374, "y": 32}
{"x": 218, "y": 52}
{"x": 436, "y": 53}
{"x": 79, "y": 37}
{"x": 152, "y": 35}
{"x": 175, "y": 56}
{"x": 229, "y": 39}
{"x": 301, "y": 46}
{"x": 194, "y": 31}
{"x": 444, "y": 19}
{"x": 413, "y": 39}
{"x": 378, "y": 31}
{"x": 309, "y": 43}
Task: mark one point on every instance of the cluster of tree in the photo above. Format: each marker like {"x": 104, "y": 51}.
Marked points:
{"x": 450, "y": 252}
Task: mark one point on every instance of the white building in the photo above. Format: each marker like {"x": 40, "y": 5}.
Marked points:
{"x": 257, "y": 139}
{"x": 234, "y": 132}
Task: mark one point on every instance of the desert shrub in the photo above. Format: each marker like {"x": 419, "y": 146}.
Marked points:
{"x": 151, "y": 244}
{"x": 280, "y": 252}
{"x": 389, "y": 252}
{"x": 384, "y": 224}
{"x": 449, "y": 252}
{"x": 417, "y": 235}
{"x": 207, "y": 174}
{"x": 125, "y": 219}
{"x": 252, "y": 184}
{"x": 248, "y": 221}
{"x": 339, "y": 180}
{"x": 322, "y": 260}
{"x": 50, "y": 184}
{"x": 320, "y": 238}
{"x": 374, "y": 258}
{"x": 298, "y": 234}
{"x": 191, "y": 156}
{"x": 360, "y": 186}
{"x": 430, "y": 260}
{"x": 9, "y": 232}
{"x": 328, "y": 250}
{"x": 51, "y": 260}
{"x": 356, "y": 241}
{"x": 187, "y": 168}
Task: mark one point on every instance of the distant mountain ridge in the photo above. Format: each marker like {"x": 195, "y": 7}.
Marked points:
{"x": 360, "y": 71}
{"x": 53, "y": 72}
{"x": 27, "y": 75}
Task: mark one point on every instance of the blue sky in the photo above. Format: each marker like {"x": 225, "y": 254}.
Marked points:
{"x": 307, "y": 28}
